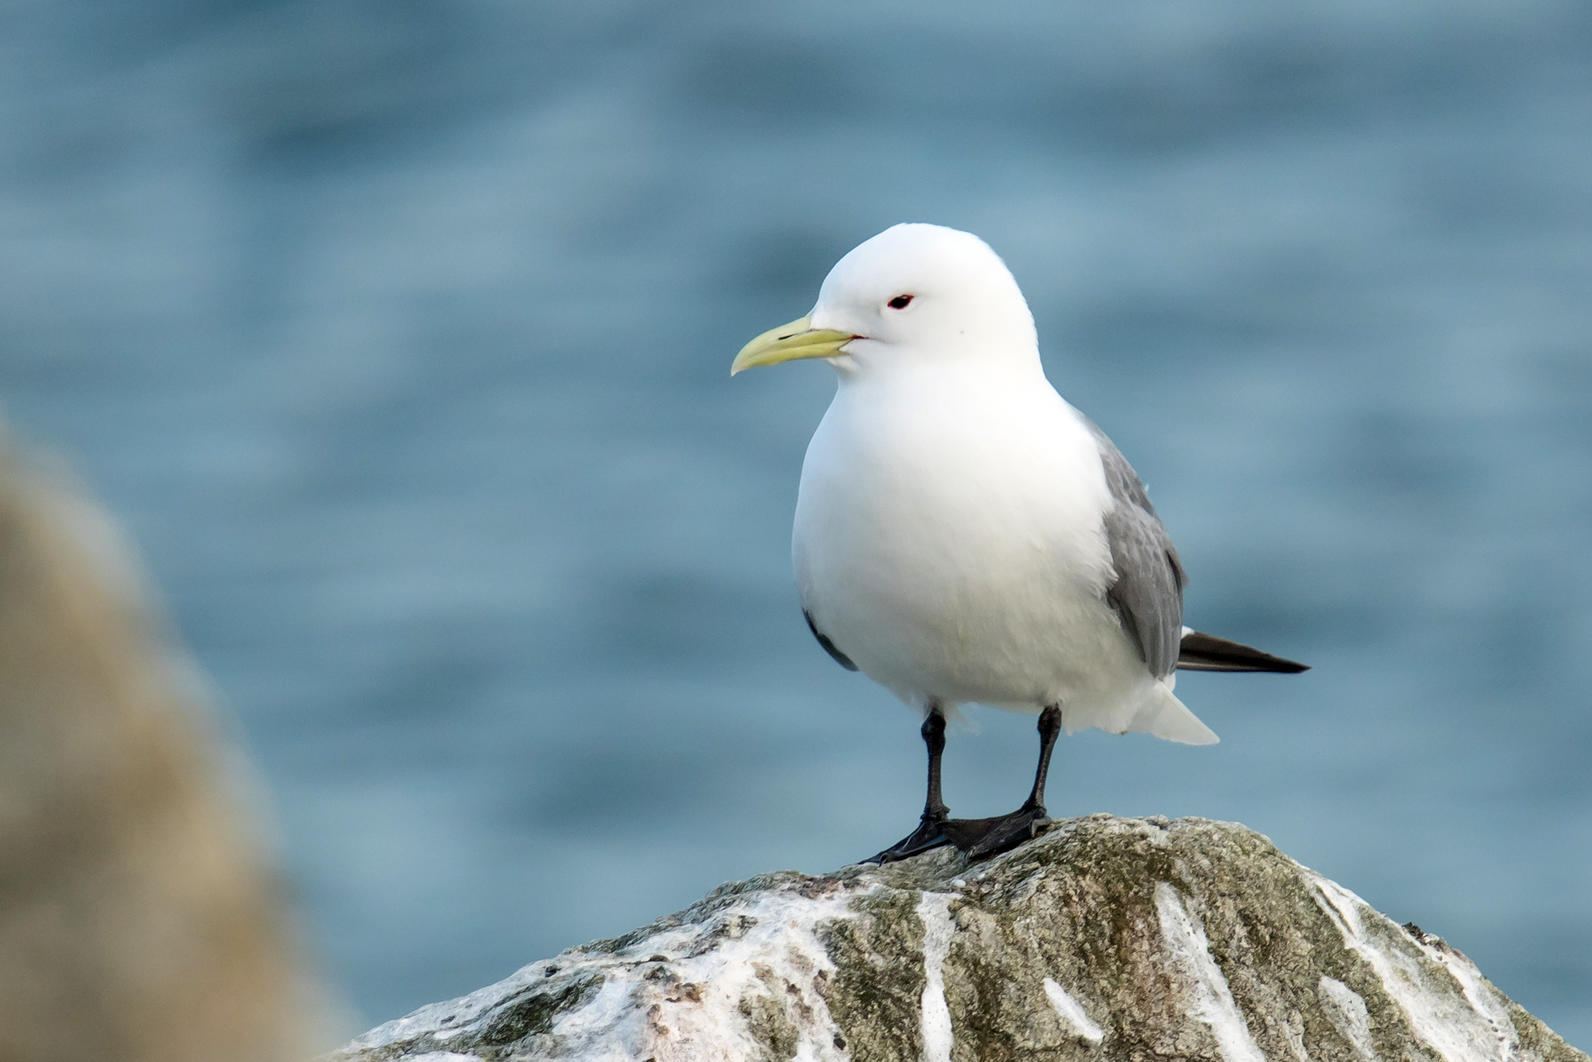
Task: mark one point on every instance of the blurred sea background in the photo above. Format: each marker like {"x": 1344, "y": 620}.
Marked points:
{"x": 397, "y": 333}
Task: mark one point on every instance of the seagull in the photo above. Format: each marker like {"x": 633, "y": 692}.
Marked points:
{"x": 963, "y": 535}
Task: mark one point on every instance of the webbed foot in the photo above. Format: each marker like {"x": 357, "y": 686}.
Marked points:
{"x": 930, "y": 834}
{"x": 982, "y": 838}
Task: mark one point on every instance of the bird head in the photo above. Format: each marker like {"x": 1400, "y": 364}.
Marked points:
{"x": 911, "y": 298}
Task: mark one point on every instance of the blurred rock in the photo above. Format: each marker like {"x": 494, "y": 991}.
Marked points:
{"x": 1105, "y": 939}
{"x": 138, "y": 920}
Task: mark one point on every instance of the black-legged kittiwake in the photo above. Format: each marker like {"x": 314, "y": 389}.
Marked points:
{"x": 963, "y": 535}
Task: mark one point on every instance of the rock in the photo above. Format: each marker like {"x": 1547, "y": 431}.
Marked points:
{"x": 1104, "y": 939}
{"x": 139, "y": 919}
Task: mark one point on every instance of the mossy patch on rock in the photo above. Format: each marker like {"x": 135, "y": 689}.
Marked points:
{"x": 533, "y": 1013}
{"x": 878, "y": 981}
{"x": 768, "y": 1024}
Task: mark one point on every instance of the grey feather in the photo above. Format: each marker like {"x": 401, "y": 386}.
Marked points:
{"x": 1148, "y": 589}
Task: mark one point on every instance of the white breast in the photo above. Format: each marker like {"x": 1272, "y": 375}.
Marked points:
{"x": 950, "y": 541}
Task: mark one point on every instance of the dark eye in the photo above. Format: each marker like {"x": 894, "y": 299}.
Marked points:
{"x": 900, "y": 302}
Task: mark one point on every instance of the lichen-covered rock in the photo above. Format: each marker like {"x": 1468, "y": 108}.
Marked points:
{"x": 1104, "y": 939}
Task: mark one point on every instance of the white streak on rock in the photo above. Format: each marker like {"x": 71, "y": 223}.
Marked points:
{"x": 1456, "y": 1032}
{"x": 1489, "y": 1004}
{"x": 1072, "y": 1013}
{"x": 934, "y": 908}
{"x": 445, "y": 1020}
{"x": 444, "y": 1056}
{"x": 1346, "y": 1010}
{"x": 1191, "y": 953}
{"x": 612, "y": 1007}
{"x": 687, "y": 1004}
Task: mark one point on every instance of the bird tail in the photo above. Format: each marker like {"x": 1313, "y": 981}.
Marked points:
{"x": 1201, "y": 652}
{"x": 1160, "y": 713}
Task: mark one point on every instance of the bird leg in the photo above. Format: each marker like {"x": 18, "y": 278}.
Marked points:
{"x": 978, "y": 838}
{"x": 931, "y": 828}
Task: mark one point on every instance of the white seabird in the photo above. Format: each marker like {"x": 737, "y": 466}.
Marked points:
{"x": 963, "y": 535}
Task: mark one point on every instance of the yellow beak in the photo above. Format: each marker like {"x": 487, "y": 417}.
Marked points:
{"x": 789, "y": 342}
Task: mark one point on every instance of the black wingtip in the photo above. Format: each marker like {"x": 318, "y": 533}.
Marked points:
{"x": 1202, "y": 652}
{"x": 829, "y": 647}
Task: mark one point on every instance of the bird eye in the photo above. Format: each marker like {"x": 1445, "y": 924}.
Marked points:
{"x": 900, "y": 302}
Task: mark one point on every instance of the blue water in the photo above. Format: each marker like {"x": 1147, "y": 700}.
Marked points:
{"x": 397, "y": 334}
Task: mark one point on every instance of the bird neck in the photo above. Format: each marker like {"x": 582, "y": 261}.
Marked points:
{"x": 993, "y": 371}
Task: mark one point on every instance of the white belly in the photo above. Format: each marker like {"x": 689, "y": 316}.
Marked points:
{"x": 956, "y": 553}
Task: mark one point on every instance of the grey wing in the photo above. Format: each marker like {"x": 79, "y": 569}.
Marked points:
{"x": 1148, "y": 591}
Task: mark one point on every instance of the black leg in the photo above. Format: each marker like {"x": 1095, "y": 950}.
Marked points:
{"x": 1049, "y": 730}
{"x": 986, "y": 837}
{"x": 931, "y": 827}
{"x": 934, "y": 740}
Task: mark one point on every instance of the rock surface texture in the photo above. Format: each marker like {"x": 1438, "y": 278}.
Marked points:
{"x": 1105, "y": 939}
